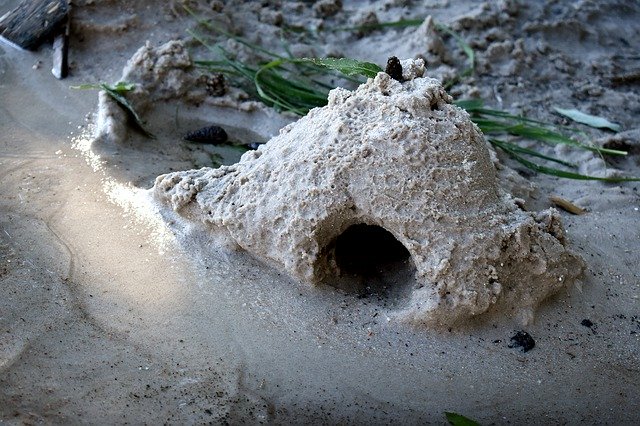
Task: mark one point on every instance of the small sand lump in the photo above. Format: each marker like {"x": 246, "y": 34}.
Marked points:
{"x": 402, "y": 157}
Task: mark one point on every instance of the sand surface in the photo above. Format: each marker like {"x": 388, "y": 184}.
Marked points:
{"x": 107, "y": 317}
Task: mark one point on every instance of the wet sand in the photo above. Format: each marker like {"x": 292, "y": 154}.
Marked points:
{"x": 107, "y": 317}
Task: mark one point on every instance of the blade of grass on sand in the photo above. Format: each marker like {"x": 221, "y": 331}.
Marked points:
{"x": 459, "y": 420}
{"x": 286, "y": 94}
{"x": 123, "y": 102}
{"x": 493, "y": 121}
{"x": 476, "y": 106}
{"x": 289, "y": 93}
{"x": 346, "y": 66}
{"x": 120, "y": 87}
{"x": 563, "y": 173}
{"x": 116, "y": 92}
{"x": 471, "y": 57}
{"x": 298, "y": 92}
{"x": 588, "y": 119}
{"x": 521, "y": 150}
{"x": 205, "y": 23}
{"x": 278, "y": 86}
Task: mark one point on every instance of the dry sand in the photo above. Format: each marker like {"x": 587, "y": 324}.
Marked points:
{"x": 107, "y": 317}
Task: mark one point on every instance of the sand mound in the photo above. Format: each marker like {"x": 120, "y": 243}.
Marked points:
{"x": 163, "y": 73}
{"x": 402, "y": 157}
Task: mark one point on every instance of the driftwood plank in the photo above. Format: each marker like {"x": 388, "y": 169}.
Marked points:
{"x": 29, "y": 24}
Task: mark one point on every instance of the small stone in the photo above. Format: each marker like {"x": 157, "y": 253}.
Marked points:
{"x": 522, "y": 340}
{"x": 272, "y": 17}
{"x": 216, "y": 6}
{"x": 587, "y": 323}
{"x": 366, "y": 23}
{"x": 210, "y": 134}
{"x": 394, "y": 68}
{"x": 326, "y": 8}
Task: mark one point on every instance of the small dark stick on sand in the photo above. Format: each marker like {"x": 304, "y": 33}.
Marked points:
{"x": 394, "y": 69}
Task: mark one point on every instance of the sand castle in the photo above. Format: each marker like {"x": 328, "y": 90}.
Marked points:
{"x": 401, "y": 157}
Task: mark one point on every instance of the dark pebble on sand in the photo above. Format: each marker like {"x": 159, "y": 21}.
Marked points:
{"x": 394, "y": 68}
{"x": 210, "y": 134}
{"x": 522, "y": 340}
{"x": 587, "y": 323}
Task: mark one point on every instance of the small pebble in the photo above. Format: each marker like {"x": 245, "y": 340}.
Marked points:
{"x": 587, "y": 323}
{"x": 209, "y": 134}
{"x": 522, "y": 340}
{"x": 394, "y": 68}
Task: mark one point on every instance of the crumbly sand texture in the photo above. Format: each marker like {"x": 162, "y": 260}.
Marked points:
{"x": 103, "y": 317}
{"x": 402, "y": 157}
{"x": 159, "y": 74}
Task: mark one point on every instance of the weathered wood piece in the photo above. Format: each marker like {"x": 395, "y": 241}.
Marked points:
{"x": 29, "y": 24}
{"x": 61, "y": 52}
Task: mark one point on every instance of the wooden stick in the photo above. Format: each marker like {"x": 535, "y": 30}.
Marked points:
{"x": 567, "y": 205}
{"x": 61, "y": 52}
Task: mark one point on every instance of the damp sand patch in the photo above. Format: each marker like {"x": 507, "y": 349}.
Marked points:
{"x": 388, "y": 190}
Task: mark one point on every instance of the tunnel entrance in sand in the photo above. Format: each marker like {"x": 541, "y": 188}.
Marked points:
{"x": 369, "y": 261}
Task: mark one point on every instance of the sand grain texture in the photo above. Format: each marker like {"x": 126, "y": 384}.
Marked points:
{"x": 402, "y": 157}
{"x": 116, "y": 309}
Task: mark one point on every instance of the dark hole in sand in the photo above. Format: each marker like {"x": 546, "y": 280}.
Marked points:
{"x": 371, "y": 262}
{"x": 367, "y": 249}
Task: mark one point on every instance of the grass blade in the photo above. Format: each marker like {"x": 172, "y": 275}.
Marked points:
{"x": 495, "y": 122}
{"x": 346, "y": 66}
{"x": 588, "y": 119}
{"x": 124, "y": 103}
{"x": 521, "y": 150}
{"x": 116, "y": 92}
{"x": 87, "y": 86}
{"x": 299, "y": 84}
{"x": 120, "y": 87}
{"x": 460, "y": 420}
{"x": 227, "y": 34}
{"x": 471, "y": 57}
{"x": 286, "y": 94}
{"x": 563, "y": 173}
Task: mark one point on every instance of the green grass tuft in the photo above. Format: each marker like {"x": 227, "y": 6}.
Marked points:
{"x": 297, "y": 85}
{"x": 496, "y": 123}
